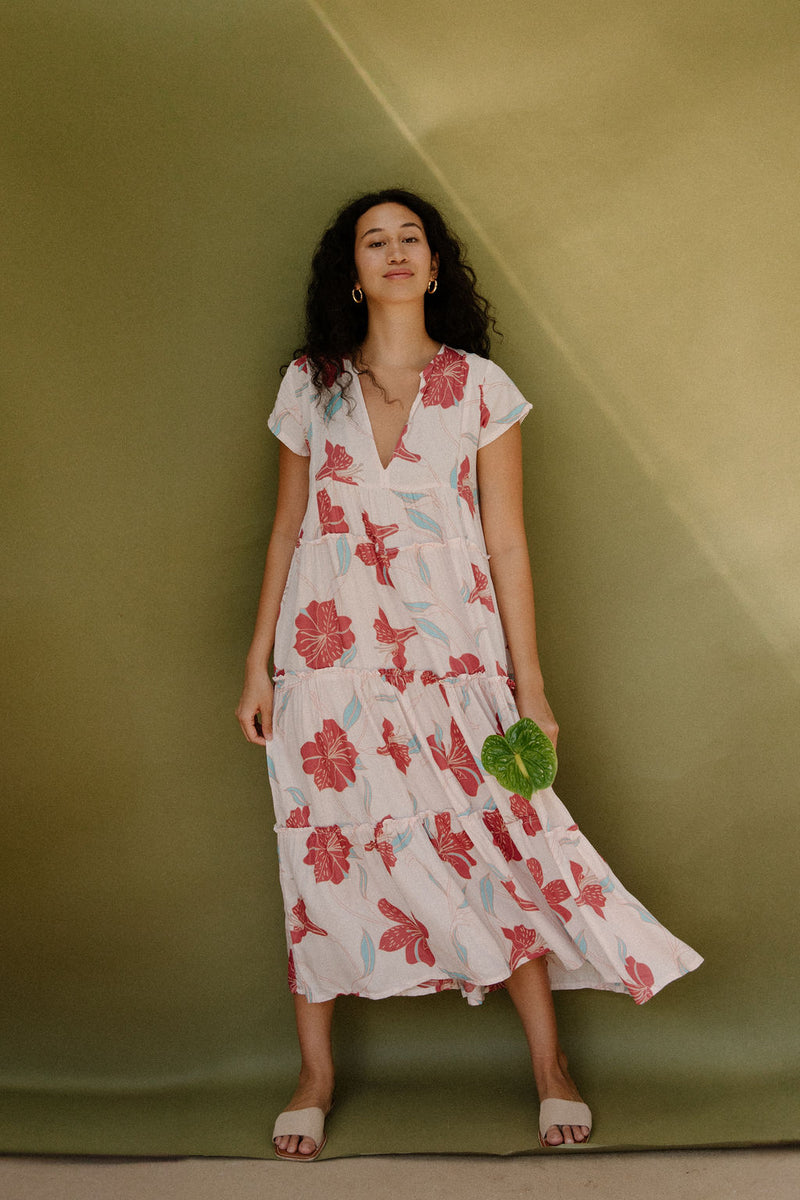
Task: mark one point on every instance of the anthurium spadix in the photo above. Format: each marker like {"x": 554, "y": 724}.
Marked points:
{"x": 523, "y": 760}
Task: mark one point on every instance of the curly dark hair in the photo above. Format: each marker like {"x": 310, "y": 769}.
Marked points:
{"x": 456, "y": 314}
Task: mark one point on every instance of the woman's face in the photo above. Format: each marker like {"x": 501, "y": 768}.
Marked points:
{"x": 393, "y": 260}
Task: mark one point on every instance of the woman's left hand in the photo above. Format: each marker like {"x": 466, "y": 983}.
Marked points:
{"x": 535, "y": 707}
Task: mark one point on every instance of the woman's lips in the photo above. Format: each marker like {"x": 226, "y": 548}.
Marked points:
{"x": 398, "y": 274}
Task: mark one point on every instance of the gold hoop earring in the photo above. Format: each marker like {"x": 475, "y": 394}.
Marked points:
{"x": 432, "y": 286}
{"x": 357, "y": 298}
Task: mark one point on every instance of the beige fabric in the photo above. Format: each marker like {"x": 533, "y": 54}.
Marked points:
{"x": 305, "y": 1122}
{"x": 563, "y": 1112}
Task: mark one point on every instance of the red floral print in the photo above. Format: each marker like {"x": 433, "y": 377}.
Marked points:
{"x": 409, "y": 934}
{"x": 444, "y": 379}
{"x": 528, "y": 905}
{"x": 467, "y": 664}
{"x": 292, "y": 974}
{"x": 298, "y": 818}
{"x": 374, "y": 552}
{"x": 484, "y": 410}
{"x": 396, "y": 677}
{"x": 330, "y": 758}
{"x": 304, "y": 926}
{"x": 452, "y": 847}
{"x": 394, "y": 639}
{"x": 331, "y": 516}
{"x": 401, "y": 451}
{"x": 429, "y": 677}
{"x": 322, "y": 635}
{"x": 457, "y": 759}
{"x": 481, "y": 590}
{"x": 554, "y": 892}
{"x": 328, "y": 853}
{"x": 464, "y": 486}
{"x": 394, "y": 747}
{"x": 525, "y": 943}
{"x": 337, "y": 460}
{"x": 641, "y": 980}
{"x": 590, "y": 892}
{"x": 329, "y": 371}
{"x": 493, "y": 820}
{"x": 384, "y": 848}
{"x": 523, "y": 809}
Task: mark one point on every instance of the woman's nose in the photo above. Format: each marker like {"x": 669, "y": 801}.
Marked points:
{"x": 397, "y": 252}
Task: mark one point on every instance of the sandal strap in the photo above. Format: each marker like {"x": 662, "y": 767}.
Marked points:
{"x": 304, "y": 1122}
{"x": 563, "y": 1112}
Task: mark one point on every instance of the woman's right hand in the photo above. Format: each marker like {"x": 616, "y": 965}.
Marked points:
{"x": 255, "y": 706}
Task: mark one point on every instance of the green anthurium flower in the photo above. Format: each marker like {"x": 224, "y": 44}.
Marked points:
{"x": 524, "y": 761}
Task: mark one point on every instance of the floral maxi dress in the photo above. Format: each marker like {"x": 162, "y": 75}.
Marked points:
{"x": 405, "y": 869}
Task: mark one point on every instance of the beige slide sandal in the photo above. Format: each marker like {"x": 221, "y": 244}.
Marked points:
{"x": 563, "y": 1112}
{"x": 303, "y": 1122}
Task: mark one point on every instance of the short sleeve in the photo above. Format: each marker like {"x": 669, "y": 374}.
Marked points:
{"x": 290, "y": 419}
{"x": 502, "y": 405}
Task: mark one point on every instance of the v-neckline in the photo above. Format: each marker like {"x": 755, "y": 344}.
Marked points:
{"x": 414, "y": 405}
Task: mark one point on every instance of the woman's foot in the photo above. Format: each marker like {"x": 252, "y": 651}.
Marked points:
{"x": 310, "y": 1093}
{"x": 555, "y": 1083}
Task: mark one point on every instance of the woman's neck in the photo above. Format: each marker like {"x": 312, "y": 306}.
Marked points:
{"x": 396, "y": 339}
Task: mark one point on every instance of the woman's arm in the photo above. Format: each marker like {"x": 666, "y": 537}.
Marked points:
{"x": 500, "y": 491}
{"x": 255, "y": 705}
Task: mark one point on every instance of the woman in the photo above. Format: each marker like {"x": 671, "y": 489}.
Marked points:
{"x": 397, "y": 652}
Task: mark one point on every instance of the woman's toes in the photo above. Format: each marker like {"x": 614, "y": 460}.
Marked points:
{"x": 307, "y": 1146}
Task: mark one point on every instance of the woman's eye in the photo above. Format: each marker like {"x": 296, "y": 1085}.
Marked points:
{"x": 410, "y": 238}
{"x": 373, "y": 245}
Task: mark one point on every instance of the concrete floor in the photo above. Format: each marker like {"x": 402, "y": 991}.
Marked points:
{"x": 751, "y": 1174}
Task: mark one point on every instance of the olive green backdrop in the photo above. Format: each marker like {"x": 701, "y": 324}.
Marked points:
{"x": 626, "y": 177}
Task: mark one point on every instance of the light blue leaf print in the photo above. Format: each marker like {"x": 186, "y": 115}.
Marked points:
{"x": 489, "y": 805}
{"x": 299, "y": 798}
{"x": 333, "y": 406}
{"x": 417, "y": 605}
{"x": 348, "y": 656}
{"x": 425, "y": 522}
{"x": 438, "y": 736}
{"x": 424, "y": 570}
{"x": 622, "y": 949}
{"x": 580, "y": 942}
{"x": 428, "y": 627}
{"x": 362, "y": 879}
{"x": 454, "y": 477}
{"x": 464, "y": 593}
{"x": 401, "y": 840}
{"x": 343, "y": 554}
{"x": 510, "y": 416}
{"x": 461, "y": 951}
{"x": 352, "y": 712}
{"x": 271, "y": 768}
{"x": 414, "y": 745}
{"x": 487, "y": 894}
{"x": 434, "y": 881}
{"x": 387, "y": 697}
{"x": 367, "y": 797}
{"x": 414, "y": 802}
{"x": 458, "y": 975}
{"x": 368, "y": 953}
{"x": 410, "y": 497}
